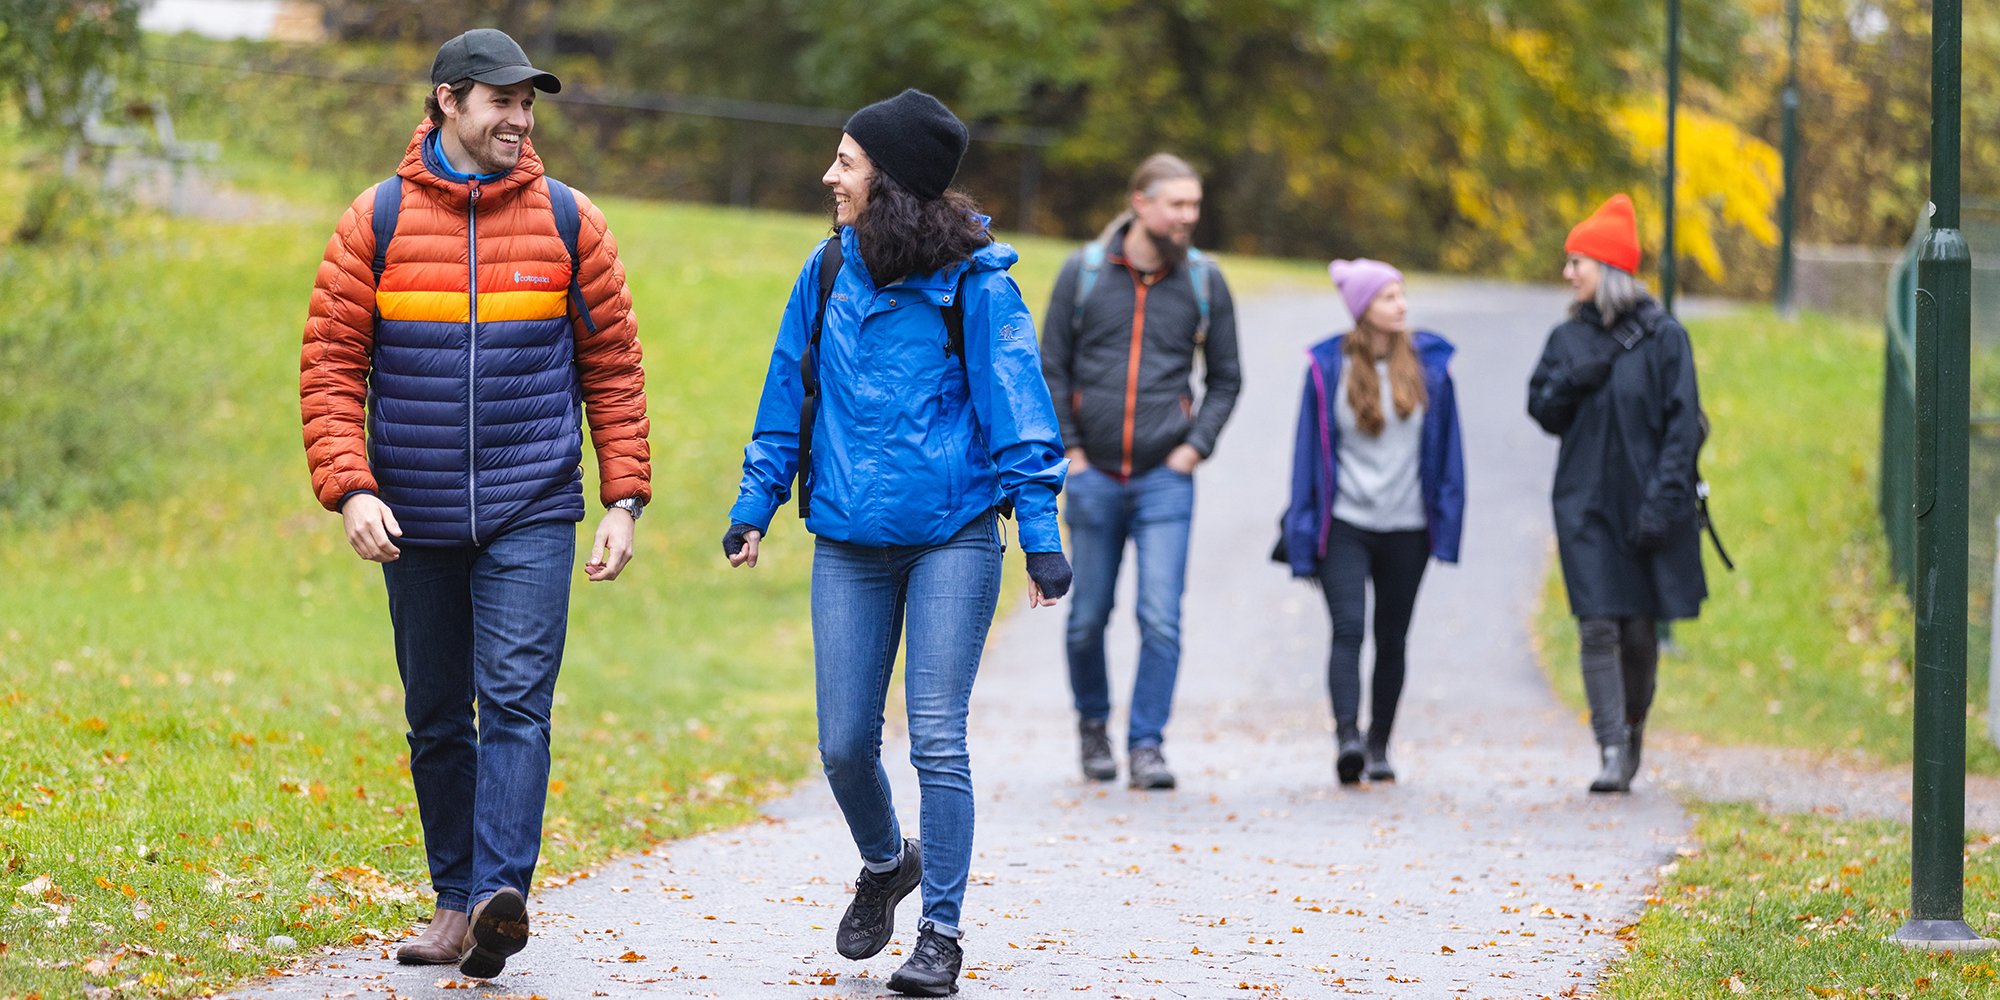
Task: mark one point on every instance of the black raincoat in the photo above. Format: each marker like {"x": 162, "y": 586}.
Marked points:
{"x": 1627, "y": 461}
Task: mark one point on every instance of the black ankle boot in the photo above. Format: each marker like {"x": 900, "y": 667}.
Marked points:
{"x": 1098, "y": 764}
{"x": 932, "y": 968}
{"x": 1615, "y": 776}
{"x": 1349, "y": 753}
{"x": 1378, "y": 754}
{"x": 1635, "y": 746}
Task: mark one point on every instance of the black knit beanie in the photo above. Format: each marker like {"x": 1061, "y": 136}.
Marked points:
{"x": 913, "y": 138}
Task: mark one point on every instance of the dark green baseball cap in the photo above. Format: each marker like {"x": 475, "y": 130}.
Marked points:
{"x": 488, "y": 56}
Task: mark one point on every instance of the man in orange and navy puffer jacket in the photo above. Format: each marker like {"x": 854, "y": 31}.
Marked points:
{"x": 469, "y": 312}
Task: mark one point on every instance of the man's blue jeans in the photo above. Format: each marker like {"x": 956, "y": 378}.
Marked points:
{"x": 861, "y": 598}
{"x": 1154, "y": 510}
{"x": 481, "y": 626}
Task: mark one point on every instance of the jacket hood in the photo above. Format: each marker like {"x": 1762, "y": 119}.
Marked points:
{"x": 995, "y": 256}
{"x": 413, "y": 168}
{"x": 1432, "y": 349}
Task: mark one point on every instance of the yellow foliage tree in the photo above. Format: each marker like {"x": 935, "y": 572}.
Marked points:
{"x": 1727, "y": 177}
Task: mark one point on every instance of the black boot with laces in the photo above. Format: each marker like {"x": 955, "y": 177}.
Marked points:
{"x": 932, "y": 968}
{"x": 1098, "y": 764}
{"x": 870, "y": 919}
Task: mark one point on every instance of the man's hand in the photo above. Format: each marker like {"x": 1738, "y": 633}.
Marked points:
{"x": 746, "y": 553}
{"x": 370, "y": 526}
{"x": 1077, "y": 461}
{"x": 1183, "y": 459}
{"x": 612, "y": 548}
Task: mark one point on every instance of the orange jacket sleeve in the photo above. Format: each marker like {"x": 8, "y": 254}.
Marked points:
{"x": 614, "y": 383}
{"x": 334, "y": 364}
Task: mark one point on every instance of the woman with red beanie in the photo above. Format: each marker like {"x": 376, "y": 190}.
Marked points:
{"x": 1616, "y": 382}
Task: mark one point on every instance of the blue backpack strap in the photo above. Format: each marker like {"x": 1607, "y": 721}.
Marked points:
{"x": 569, "y": 223}
{"x": 388, "y": 205}
{"x": 1202, "y": 274}
{"x": 1086, "y": 279}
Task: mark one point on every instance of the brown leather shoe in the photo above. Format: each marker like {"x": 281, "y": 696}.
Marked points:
{"x": 499, "y": 928}
{"x": 442, "y": 943}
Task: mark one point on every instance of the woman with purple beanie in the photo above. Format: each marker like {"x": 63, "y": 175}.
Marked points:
{"x": 1378, "y": 490}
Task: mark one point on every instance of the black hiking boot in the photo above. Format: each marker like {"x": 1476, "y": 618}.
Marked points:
{"x": 1615, "y": 776}
{"x": 1098, "y": 764}
{"x": 870, "y": 919}
{"x": 932, "y": 968}
{"x": 1148, "y": 769}
{"x": 1349, "y": 754}
{"x": 1636, "y": 745}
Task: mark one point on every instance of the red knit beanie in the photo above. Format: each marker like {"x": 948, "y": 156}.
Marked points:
{"x": 1610, "y": 235}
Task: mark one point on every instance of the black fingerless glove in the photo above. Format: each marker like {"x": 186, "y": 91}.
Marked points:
{"x": 1590, "y": 374}
{"x": 1050, "y": 571}
{"x": 732, "y": 540}
{"x": 1649, "y": 534}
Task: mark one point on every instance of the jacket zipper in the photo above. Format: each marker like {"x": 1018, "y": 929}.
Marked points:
{"x": 1139, "y": 287}
{"x": 472, "y": 362}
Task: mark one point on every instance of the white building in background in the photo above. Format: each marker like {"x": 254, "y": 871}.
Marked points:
{"x": 279, "y": 20}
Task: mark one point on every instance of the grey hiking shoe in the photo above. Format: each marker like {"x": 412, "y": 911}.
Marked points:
{"x": 1149, "y": 769}
{"x": 1098, "y": 764}
{"x": 870, "y": 919}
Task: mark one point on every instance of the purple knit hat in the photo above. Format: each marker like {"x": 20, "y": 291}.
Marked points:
{"x": 1360, "y": 280}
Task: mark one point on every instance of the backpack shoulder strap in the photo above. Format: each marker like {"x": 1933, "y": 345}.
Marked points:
{"x": 831, "y": 260}
{"x": 954, "y": 319}
{"x": 1202, "y": 274}
{"x": 569, "y": 225}
{"x": 1086, "y": 278}
{"x": 388, "y": 205}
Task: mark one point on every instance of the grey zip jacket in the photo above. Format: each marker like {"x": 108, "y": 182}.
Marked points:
{"x": 1122, "y": 377}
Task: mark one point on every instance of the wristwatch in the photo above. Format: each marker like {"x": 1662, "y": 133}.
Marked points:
{"x": 632, "y": 506}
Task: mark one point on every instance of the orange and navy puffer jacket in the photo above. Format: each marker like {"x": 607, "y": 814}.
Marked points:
{"x": 454, "y": 391}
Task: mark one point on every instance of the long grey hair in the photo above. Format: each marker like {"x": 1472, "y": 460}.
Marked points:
{"x": 1618, "y": 293}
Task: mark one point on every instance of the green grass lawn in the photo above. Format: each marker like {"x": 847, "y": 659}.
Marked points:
{"x": 1800, "y": 906}
{"x": 1808, "y": 643}
{"x": 197, "y": 692}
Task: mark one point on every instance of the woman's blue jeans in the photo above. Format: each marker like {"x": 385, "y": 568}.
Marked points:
{"x": 862, "y": 598}
{"x": 481, "y": 626}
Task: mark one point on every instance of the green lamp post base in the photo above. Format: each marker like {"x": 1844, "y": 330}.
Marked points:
{"x": 1942, "y": 935}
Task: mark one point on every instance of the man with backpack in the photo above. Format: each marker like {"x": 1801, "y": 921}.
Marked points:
{"x": 469, "y": 311}
{"x": 1131, "y": 315}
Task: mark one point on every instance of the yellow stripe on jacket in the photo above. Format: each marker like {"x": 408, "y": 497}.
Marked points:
{"x": 455, "y": 307}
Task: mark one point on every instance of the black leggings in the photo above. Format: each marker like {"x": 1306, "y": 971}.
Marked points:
{"x": 1621, "y": 664}
{"x": 1394, "y": 561}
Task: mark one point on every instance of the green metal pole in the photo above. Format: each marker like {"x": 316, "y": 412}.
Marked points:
{"x": 1789, "y": 210}
{"x": 1944, "y": 406}
{"x": 1673, "y": 121}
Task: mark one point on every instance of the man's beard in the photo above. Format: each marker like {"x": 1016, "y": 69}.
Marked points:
{"x": 1172, "y": 252}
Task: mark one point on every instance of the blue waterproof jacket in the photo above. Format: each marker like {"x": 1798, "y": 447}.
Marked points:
{"x": 1316, "y": 455}
{"x": 910, "y": 443}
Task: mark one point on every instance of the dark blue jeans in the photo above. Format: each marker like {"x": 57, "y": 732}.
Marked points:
{"x": 1152, "y": 509}
{"x": 862, "y": 596}
{"x": 481, "y": 627}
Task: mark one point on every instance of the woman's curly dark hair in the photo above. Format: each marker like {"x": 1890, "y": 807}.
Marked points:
{"x": 901, "y": 234}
